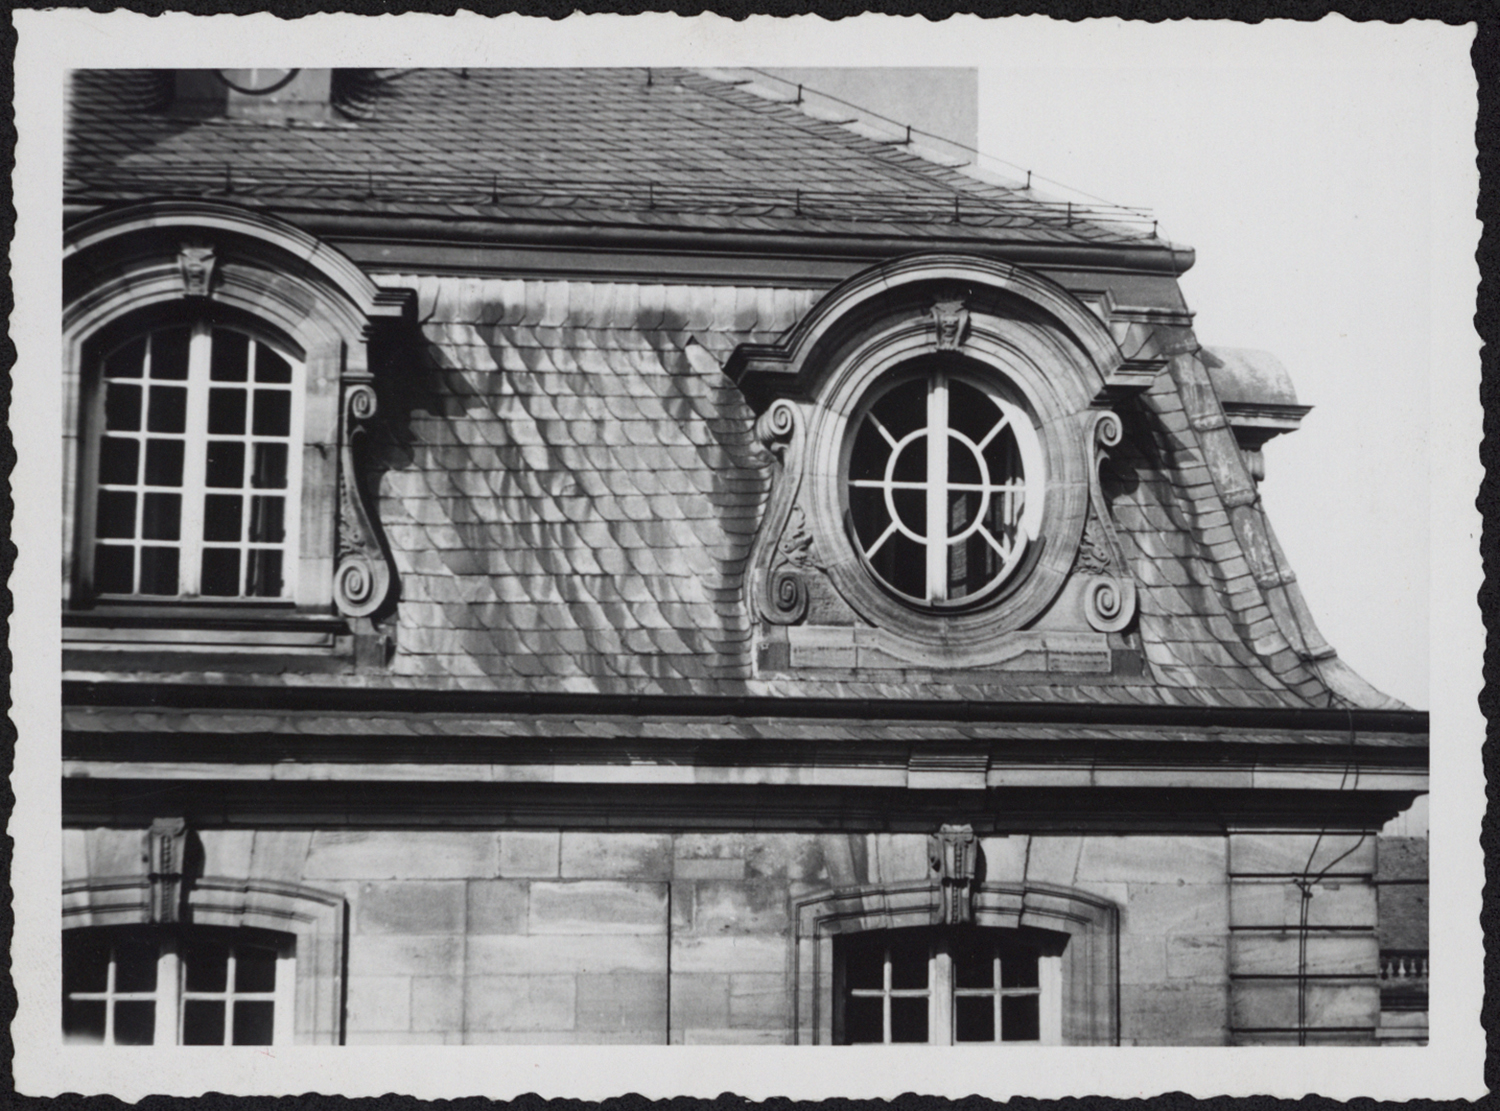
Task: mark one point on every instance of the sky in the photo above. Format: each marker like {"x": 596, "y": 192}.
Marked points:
{"x": 1303, "y": 178}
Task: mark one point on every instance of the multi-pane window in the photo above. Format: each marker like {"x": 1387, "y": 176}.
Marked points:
{"x": 944, "y": 486}
{"x": 196, "y": 986}
{"x": 195, "y": 467}
{"x": 944, "y": 986}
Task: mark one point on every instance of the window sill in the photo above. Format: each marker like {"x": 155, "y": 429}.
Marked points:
{"x": 201, "y": 628}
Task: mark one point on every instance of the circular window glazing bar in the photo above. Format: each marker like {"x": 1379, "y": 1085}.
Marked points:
{"x": 944, "y": 486}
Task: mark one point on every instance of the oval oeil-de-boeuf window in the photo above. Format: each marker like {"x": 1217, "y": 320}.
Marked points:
{"x": 945, "y": 483}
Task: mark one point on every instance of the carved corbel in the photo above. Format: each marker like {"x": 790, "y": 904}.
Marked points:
{"x": 195, "y": 261}
{"x": 1109, "y": 594}
{"x": 953, "y": 863}
{"x": 783, "y": 553}
{"x": 363, "y": 577}
{"x": 166, "y": 841}
{"x": 950, "y": 317}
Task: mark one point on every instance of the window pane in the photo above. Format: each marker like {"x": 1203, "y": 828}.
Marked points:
{"x": 266, "y": 526}
{"x": 911, "y": 464}
{"x": 1018, "y": 970}
{"x": 169, "y": 353}
{"x": 116, "y": 514}
{"x": 135, "y": 1022}
{"x": 118, "y": 460}
{"x": 164, "y": 462}
{"x": 221, "y": 516}
{"x": 273, "y": 413}
{"x": 226, "y": 464}
{"x": 85, "y": 961}
{"x": 122, "y": 408}
{"x": 904, "y": 408}
{"x": 270, "y": 467}
{"x": 1019, "y": 1019}
{"x": 114, "y": 569}
{"x": 168, "y": 409}
{"x": 254, "y": 969}
{"x": 970, "y": 411}
{"x": 221, "y": 572}
{"x": 135, "y": 966}
{"x": 207, "y": 967}
{"x": 126, "y": 361}
{"x": 974, "y": 1018}
{"x": 83, "y": 1021}
{"x": 263, "y": 574}
{"x": 231, "y": 356}
{"x": 911, "y": 507}
{"x": 864, "y": 963}
{"x": 252, "y": 1022}
{"x": 159, "y": 571}
{"x": 226, "y": 412}
{"x": 161, "y": 517}
{"x": 271, "y": 367}
{"x": 863, "y": 1020}
{"x": 909, "y": 962}
{"x": 909, "y": 1019}
{"x": 973, "y": 962}
{"x": 202, "y": 1022}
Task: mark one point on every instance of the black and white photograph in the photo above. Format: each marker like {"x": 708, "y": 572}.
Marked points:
{"x": 644, "y": 554}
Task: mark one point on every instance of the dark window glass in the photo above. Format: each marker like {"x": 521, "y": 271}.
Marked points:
{"x": 909, "y": 1018}
{"x": 135, "y": 966}
{"x": 159, "y": 571}
{"x": 135, "y": 1022}
{"x": 168, "y": 409}
{"x": 252, "y": 1022}
{"x": 169, "y": 354}
{"x": 1020, "y": 1019}
{"x": 864, "y": 965}
{"x": 126, "y": 361}
{"x": 119, "y": 460}
{"x": 116, "y": 514}
{"x": 161, "y": 517}
{"x": 221, "y": 517}
{"x": 114, "y": 569}
{"x": 864, "y": 1020}
{"x": 226, "y": 464}
{"x": 221, "y": 572}
{"x": 266, "y": 525}
{"x": 270, "y": 467}
{"x": 273, "y": 413}
{"x": 254, "y": 969}
{"x": 1018, "y": 970}
{"x": 230, "y": 361}
{"x": 164, "y": 462}
{"x": 203, "y": 1022}
{"x": 122, "y": 408}
{"x": 83, "y": 1021}
{"x": 909, "y": 962}
{"x": 973, "y": 963}
{"x": 207, "y": 967}
{"x": 263, "y": 574}
{"x": 974, "y": 1018}
{"x": 85, "y": 961}
{"x": 271, "y": 367}
{"x": 226, "y": 412}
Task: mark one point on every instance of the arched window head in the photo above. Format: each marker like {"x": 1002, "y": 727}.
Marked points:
{"x": 945, "y": 484}
{"x": 193, "y": 466}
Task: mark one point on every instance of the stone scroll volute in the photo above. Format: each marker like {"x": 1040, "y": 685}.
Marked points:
{"x": 1109, "y": 593}
{"x": 363, "y": 576}
{"x": 784, "y": 555}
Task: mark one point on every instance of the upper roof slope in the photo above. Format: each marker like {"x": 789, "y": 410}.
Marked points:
{"x": 672, "y": 148}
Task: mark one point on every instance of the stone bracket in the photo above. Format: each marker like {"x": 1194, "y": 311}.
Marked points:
{"x": 363, "y": 576}
{"x": 953, "y": 862}
{"x": 165, "y": 842}
{"x": 1109, "y": 596}
{"x": 784, "y": 554}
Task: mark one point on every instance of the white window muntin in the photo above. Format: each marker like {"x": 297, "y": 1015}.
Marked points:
{"x": 195, "y": 494}
{"x": 1017, "y": 497}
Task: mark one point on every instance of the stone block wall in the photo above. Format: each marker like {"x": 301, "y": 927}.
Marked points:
{"x": 470, "y": 937}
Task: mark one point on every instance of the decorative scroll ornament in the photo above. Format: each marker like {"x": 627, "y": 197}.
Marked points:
{"x": 362, "y": 579}
{"x": 953, "y": 861}
{"x": 1109, "y": 594}
{"x": 951, "y": 318}
{"x": 196, "y": 262}
{"x": 783, "y": 552}
{"x": 165, "y": 842}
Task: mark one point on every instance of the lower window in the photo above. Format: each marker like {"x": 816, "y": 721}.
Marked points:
{"x": 184, "y": 986}
{"x": 947, "y": 985}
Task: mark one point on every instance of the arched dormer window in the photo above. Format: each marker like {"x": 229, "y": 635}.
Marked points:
{"x": 221, "y": 367}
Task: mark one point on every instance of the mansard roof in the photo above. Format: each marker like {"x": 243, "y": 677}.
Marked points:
{"x": 678, "y": 149}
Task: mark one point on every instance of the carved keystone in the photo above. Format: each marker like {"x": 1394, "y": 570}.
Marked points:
{"x": 953, "y": 860}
